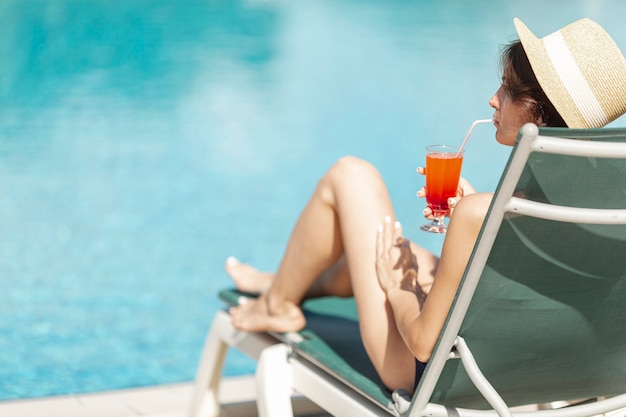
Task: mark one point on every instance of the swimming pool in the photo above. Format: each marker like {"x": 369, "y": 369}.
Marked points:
{"x": 142, "y": 142}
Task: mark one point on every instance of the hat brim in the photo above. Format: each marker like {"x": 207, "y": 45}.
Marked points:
{"x": 589, "y": 85}
{"x": 547, "y": 75}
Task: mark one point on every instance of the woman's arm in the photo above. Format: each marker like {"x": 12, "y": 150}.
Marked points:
{"x": 420, "y": 326}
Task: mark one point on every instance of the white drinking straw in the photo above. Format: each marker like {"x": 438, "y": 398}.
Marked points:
{"x": 470, "y": 132}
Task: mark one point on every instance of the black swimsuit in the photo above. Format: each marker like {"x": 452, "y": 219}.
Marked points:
{"x": 419, "y": 370}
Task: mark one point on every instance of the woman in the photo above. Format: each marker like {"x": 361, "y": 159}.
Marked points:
{"x": 403, "y": 292}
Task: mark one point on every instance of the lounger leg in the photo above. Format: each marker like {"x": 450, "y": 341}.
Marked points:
{"x": 205, "y": 402}
{"x": 274, "y": 382}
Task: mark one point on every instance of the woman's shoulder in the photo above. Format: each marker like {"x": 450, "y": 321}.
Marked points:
{"x": 476, "y": 199}
{"x": 473, "y": 206}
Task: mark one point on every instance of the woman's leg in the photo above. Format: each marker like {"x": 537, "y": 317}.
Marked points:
{"x": 339, "y": 221}
{"x": 334, "y": 281}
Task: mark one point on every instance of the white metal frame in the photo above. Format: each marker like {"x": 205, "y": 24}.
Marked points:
{"x": 279, "y": 375}
{"x": 222, "y": 335}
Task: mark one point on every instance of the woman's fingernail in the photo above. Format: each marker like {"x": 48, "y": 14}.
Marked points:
{"x": 231, "y": 260}
{"x": 451, "y": 201}
{"x": 425, "y": 211}
{"x": 379, "y": 228}
{"x": 387, "y": 219}
{"x": 397, "y": 224}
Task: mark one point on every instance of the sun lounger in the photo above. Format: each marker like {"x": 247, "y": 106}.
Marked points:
{"x": 539, "y": 316}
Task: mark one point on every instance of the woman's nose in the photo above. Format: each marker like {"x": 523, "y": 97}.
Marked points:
{"x": 494, "y": 102}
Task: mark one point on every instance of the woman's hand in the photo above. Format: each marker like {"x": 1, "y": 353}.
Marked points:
{"x": 465, "y": 188}
{"x": 396, "y": 265}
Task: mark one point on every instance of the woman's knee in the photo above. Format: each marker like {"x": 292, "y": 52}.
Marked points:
{"x": 346, "y": 173}
{"x": 349, "y": 169}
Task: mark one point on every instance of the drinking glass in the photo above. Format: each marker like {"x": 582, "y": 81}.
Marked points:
{"x": 443, "y": 170}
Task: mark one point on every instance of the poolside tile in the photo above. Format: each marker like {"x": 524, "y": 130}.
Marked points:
{"x": 237, "y": 396}
{"x": 156, "y": 400}
{"x": 68, "y": 406}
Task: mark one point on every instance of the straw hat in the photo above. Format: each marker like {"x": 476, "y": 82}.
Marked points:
{"x": 581, "y": 70}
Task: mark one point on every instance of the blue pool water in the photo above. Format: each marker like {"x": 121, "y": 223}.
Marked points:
{"x": 144, "y": 141}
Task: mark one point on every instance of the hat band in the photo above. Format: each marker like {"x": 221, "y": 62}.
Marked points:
{"x": 573, "y": 80}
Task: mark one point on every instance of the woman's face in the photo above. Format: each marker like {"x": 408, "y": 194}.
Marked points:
{"x": 508, "y": 117}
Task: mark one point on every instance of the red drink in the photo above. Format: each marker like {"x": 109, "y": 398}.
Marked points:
{"x": 443, "y": 171}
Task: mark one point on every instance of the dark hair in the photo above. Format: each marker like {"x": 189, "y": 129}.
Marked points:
{"x": 520, "y": 83}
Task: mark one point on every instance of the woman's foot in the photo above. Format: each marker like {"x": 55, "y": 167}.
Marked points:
{"x": 247, "y": 278}
{"x": 256, "y": 315}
